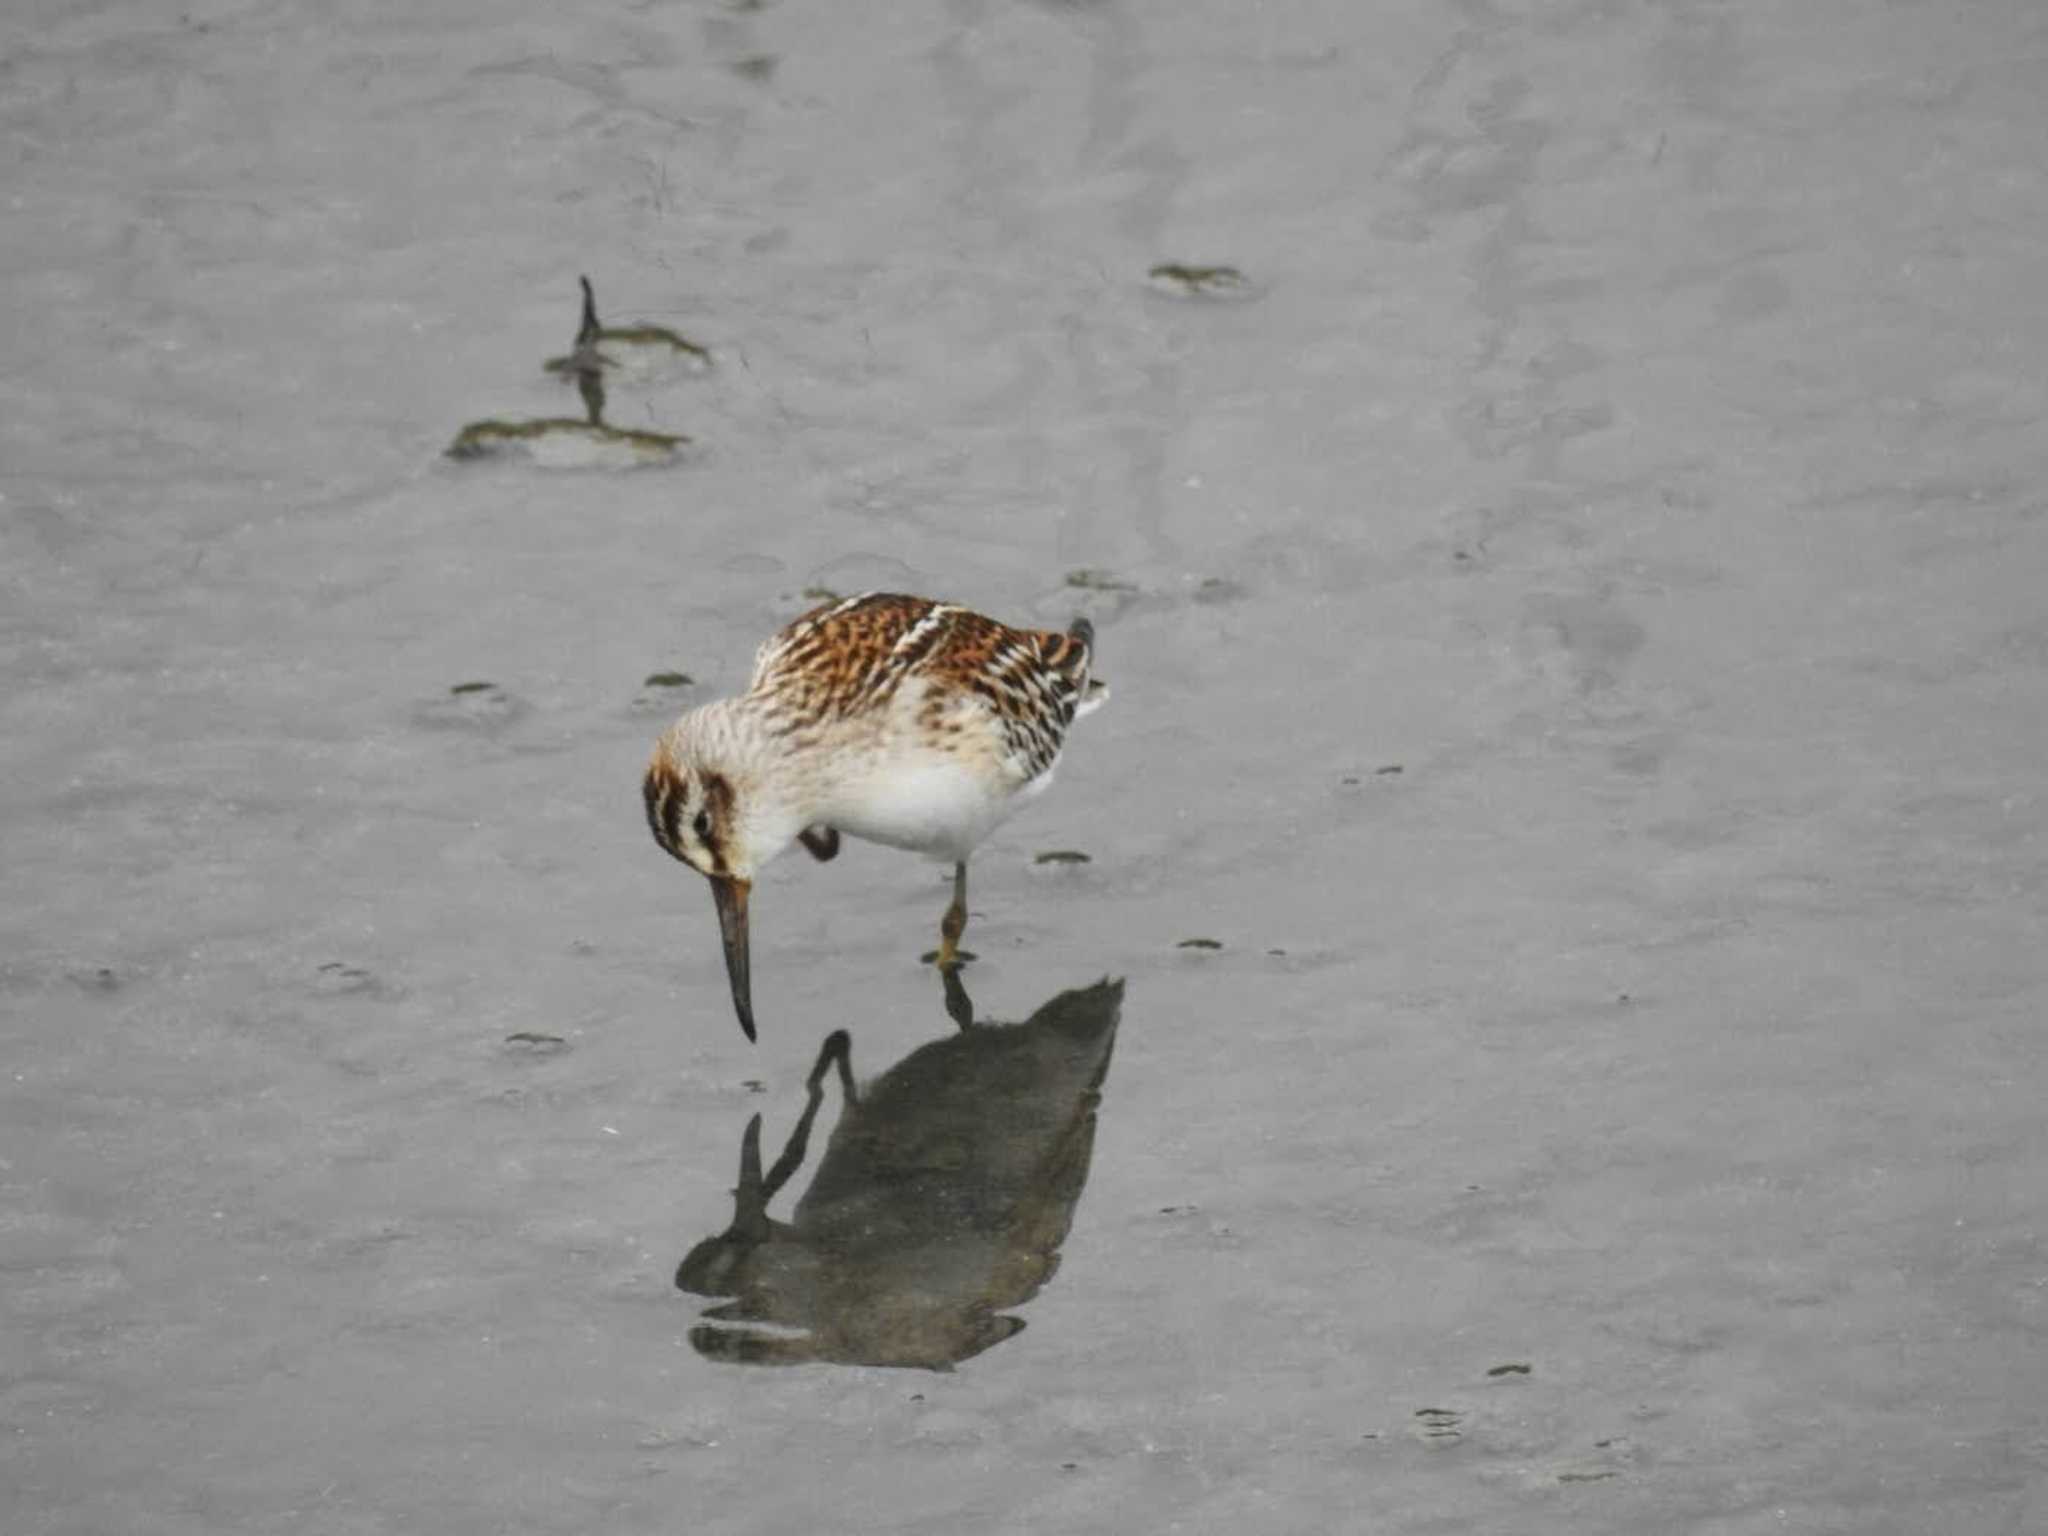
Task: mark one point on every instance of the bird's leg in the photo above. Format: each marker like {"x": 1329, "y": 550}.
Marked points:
{"x": 954, "y": 923}
{"x": 949, "y": 953}
{"x": 838, "y": 1049}
{"x": 959, "y": 1006}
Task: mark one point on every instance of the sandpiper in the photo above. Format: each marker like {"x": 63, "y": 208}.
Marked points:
{"x": 899, "y": 720}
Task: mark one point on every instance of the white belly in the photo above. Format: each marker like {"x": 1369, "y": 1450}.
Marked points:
{"x": 931, "y": 804}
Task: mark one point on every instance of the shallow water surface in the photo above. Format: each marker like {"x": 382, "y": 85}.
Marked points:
{"x": 1568, "y": 820}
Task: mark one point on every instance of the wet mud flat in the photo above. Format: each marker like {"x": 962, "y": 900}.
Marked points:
{"x": 1558, "y": 493}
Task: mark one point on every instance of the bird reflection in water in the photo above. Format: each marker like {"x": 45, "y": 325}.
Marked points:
{"x": 943, "y": 1197}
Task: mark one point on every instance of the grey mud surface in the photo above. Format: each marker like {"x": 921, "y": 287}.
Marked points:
{"x": 1630, "y": 429}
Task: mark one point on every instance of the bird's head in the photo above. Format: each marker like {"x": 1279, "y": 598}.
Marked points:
{"x": 706, "y": 809}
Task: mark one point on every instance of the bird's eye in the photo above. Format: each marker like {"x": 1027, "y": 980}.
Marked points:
{"x": 702, "y": 826}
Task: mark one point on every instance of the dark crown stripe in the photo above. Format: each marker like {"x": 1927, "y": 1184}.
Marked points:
{"x": 650, "y": 792}
{"x": 663, "y": 793}
{"x": 672, "y": 817}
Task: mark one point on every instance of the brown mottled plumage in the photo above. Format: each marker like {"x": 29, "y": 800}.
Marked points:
{"x": 896, "y": 719}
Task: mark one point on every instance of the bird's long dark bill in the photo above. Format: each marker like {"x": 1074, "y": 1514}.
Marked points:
{"x": 731, "y": 896}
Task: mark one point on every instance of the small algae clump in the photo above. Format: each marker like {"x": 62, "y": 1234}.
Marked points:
{"x": 1089, "y": 579}
{"x": 628, "y": 347}
{"x": 657, "y": 695}
{"x": 566, "y": 443}
{"x": 1185, "y": 281}
{"x": 470, "y": 706}
{"x": 564, "y": 439}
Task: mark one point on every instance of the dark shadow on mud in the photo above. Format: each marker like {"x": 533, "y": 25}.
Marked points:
{"x": 943, "y": 1197}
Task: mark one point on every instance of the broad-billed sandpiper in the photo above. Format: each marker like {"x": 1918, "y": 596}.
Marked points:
{"x": 898, "y": 720}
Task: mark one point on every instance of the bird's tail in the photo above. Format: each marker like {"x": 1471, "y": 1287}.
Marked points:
{"x": 1096, "y": 693}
